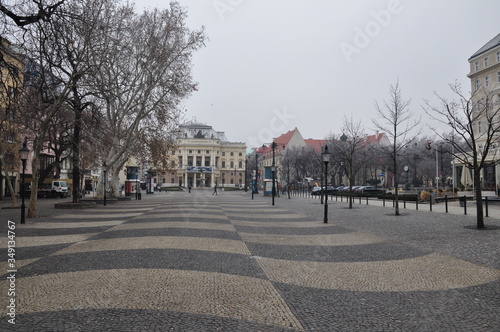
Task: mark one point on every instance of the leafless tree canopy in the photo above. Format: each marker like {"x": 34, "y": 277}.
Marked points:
{"x": 398, "y": 122}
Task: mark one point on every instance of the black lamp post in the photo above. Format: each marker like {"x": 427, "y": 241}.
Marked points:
{"x": 246, "y": 174}
{"x": 255, "y": 186}
{"x": 326, "y": 159}
{"x": 273, "y": 172}
{"x": 104, "y": 170}
{"x": 23, "y": 153}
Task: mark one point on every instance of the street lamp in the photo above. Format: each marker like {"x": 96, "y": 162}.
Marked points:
{"x": 255, "y": 186}
{"x": 246, "y": 174}
{"x": 326, "y": 159}
{"x": 23, "y": 153}
{"x": 273, "y": 171}
{"x": 104, "y": 170}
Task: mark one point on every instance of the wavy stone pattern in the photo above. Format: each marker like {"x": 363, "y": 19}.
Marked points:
{"x": 206, "y": 263}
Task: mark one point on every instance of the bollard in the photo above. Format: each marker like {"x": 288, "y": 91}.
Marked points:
{"x": 416, "y": 203}
{"x": 446, "y": 202}
{"x": 486, "y": 203}
{"x": 359, "y": 199}
{"x": 430, "y": 203}
{"x": 383, "y": 200}
{"x": 465, "y": 204}
{"x": 404, "y": 201}
{"x": 366, "y": 200}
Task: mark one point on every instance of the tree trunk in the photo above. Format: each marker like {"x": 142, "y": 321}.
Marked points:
{"x": 76, "y": 147}
{"x": 11, "y": 189}
{"x": 34, "y": 182}
{"x": 479, "y": 199}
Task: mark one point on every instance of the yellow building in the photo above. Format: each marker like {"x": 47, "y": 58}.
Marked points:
{"x": 11, "y": 83}
{"x": 205, "y": 157}
{"x": 485, "y": 86}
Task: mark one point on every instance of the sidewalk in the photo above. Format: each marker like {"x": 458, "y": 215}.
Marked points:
{"x": 196, "y": 262}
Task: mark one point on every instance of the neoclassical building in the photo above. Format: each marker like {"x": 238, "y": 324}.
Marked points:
{"x": 485, "y": 86}
{"x": 205, "y": 157}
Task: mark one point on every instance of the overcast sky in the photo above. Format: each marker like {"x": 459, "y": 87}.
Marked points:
{"x": 273, "y": 65}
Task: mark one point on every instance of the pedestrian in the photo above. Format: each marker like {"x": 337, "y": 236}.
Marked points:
{"x": 215, "y": 190}
{"x": 189, "y": 189}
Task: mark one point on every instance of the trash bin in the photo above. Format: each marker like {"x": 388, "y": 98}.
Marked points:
{"x": 462, "y": 201}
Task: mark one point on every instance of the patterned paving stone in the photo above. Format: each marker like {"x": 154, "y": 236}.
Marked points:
{"x": 213, "y": 294}
{"x": 293, "y": 230}
{"x": 166, "y": 231}
{"x": 207, "y": 261}
{"x": 133, "y": 320}
{"x": 430, "y": 272}
{"x": 335, "y": 253}
{"x": 464, "y": 309}
{"x": 165, "y": 242}
{"x": 350, "y": 239}
{"x": 196, "y": 262}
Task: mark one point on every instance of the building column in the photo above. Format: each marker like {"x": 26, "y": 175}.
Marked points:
{"x": 186, "y": 179}
{"x": 194, "y": 179}
{"x": 212, "y": 182}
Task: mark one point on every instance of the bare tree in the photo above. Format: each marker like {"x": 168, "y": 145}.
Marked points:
{"x": 144, "y": 72}
{"x": 476, "y": 133}
{"x": 25, "y": 12}
{"x": 350, "y": 151}
{"x": 397, "y": 121}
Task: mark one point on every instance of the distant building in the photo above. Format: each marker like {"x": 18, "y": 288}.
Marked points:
{"x": 205, "y": 157}
{"x": 485, "y": 86}
{"x": 11, "y": 85}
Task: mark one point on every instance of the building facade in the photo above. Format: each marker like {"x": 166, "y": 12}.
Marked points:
{"x": 485, "y": 99}
{"x": 205, "y": 158}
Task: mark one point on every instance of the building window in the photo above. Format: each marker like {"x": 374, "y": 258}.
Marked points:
{"x": 476, "y": 65}
{"x": 173, "y": 164}
{"x": 485, "y": 62}
{"x": 498, "y": 56}
{"x": 199, "y": 151}
{"x": 231, "y": 164}
{"x": 240, "y": 164}
{"x": 207, "y": 152}
{"x": 223, "y": 165}
{"x": 487, "y": 81}
{"x": 498, "y": 74}
{"x": 190, "y": 151}
{"x": 232, "y": 154}
{"x": 223, "y": 154}
{"x": 478, "y": 84}
{"x": 479, "y": 128}
{"x": 172, "y": 180}
{"x": 180, "y": 161}
{"x": 240, "y": 154}
{"x": 232, "y": 181}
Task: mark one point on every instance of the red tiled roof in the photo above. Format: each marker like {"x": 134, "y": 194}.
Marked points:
{"x": 285, "y": 138}
{"x": 316, "y": 144}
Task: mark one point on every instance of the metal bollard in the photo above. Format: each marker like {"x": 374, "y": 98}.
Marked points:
{"x": 446, "y": 202}
{"x": 486, "y": 205}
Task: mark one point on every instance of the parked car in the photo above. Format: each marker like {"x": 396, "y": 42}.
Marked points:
{"x": 372, "y": 190}
{"x": 317, "y": 190}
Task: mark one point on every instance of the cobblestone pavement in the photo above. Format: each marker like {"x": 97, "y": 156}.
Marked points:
{"x": 197, "y": 262}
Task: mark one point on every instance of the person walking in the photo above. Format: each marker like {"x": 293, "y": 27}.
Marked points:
{"x": 189, "y": 189}
{"x": 215, "y": 190}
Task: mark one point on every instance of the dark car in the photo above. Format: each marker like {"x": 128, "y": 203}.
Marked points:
{"x": 317, "y": 190}
{"x": 372, "y": 190}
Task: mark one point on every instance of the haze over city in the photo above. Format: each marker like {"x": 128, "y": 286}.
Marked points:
{"x": 270, "y": 66}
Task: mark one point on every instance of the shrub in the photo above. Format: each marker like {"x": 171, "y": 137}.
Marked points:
{"x": 425, "y": 195}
